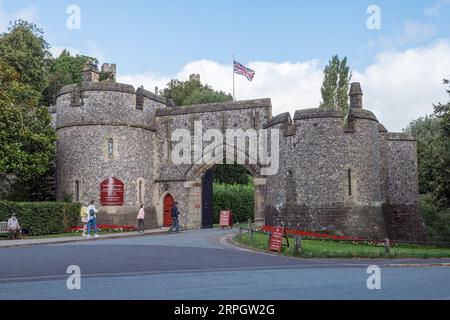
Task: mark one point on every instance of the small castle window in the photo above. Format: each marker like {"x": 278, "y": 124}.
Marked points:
{"x": 140, "y": 192}
{"x": 110, "y": 147}
{"x": 77, "y": 191}
{"x": 349, "y": 177}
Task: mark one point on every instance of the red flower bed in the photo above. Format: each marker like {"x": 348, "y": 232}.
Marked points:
{"x": 318, "y": 235}
{"x": 106, "y": 228}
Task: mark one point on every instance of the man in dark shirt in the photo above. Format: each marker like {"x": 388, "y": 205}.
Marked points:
{"x": 175, "y": 214}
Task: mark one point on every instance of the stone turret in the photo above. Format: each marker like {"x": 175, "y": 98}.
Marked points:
{"x": 90, "y": 73}
{"x": 356, "y": 96}
{"x": 110, "y": 70}
{"x": 194, "y": 77}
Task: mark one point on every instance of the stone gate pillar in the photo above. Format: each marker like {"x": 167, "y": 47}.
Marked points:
{"x": 259, "y": 185}
{"x": 194, "y": 189}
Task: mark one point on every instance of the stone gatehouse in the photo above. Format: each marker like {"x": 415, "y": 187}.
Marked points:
{"x": 114, "y": 146}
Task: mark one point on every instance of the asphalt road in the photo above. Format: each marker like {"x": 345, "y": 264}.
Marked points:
{"x": 202, "y": 265}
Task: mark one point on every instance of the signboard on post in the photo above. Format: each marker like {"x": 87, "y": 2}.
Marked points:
{"x": 112, "y": 192}
{"x": 226, "y": 218}
{"x": 276, "y": 239}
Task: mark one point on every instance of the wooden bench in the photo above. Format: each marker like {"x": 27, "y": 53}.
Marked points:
{"x": 3, "y": 229}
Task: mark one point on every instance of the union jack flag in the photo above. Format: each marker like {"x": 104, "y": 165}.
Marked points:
{"x": 242, "y": 70}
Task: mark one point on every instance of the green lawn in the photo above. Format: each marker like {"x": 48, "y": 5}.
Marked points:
{"x": 332, "y": 249}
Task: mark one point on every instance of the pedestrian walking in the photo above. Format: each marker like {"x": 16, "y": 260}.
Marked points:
{"x": 140, "y": 218}
{"x": 92, "y": 219}
{"x": 175, "y": 222}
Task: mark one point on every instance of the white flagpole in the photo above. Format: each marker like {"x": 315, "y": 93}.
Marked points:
{"x": 234, "y": 98}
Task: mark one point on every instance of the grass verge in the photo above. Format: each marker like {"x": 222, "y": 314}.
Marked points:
{"x": 333, "y": 249}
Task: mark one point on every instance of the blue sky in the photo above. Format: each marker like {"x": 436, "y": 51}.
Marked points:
{"x": 153, "y": 41}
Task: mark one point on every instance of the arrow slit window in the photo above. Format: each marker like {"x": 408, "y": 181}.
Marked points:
{"x": 110, "y": 147}
{"x": 349, "y": 177}
{"x": 77, "y": 191}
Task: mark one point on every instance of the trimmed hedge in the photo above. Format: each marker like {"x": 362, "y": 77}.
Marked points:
{"x": 43, "y": 217}
{"x": 238, "y": 198}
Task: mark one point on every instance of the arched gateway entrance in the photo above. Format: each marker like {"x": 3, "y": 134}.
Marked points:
{"x": 200, "y": 191}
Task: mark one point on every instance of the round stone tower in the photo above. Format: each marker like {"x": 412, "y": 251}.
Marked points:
{"x": 330, "y": 172}
{"x": 105, "y": 147}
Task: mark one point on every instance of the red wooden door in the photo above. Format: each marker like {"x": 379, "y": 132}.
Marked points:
{"x": 168, "y": 204}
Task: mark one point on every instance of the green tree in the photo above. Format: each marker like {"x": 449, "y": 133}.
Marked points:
{"x": 436, "y": 219}
{"x": 64, "y": 70}
{"x": 27, "y": 140}
{"x": 428, "y": 132}
{"x": 335, "y": 85}
{"x": 25, "y": 49}
{"x": 433, "y": 153}
{"x": 193, "y": 92}
{"x": 442, "y": 111}
{"x": 231, "y": 174}
{"x": 26, "y": 136}
{"x": 442, "y": 186}
{"x": 206, "y": 95}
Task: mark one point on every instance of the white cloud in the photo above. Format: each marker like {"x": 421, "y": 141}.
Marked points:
{"x": 29, "y": 14}
{"x": 291, "y": 86}
{"x": 402, "y": 86}
{"x": 436, "y": 7}
{"x": 398, "y": 87}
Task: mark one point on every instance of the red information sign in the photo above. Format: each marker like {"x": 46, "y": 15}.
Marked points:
{"x": 276, "y": 239}
{"x": 111, "y": 192}
{"x": 226, "y": 218}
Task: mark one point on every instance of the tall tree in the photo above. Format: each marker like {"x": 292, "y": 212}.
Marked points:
{"x": 25, "y": 49}
{"x": 428, "y": 133}
{"x": 335, "y": 85}
{"x": 433, "y": 153}
{"x": 26, "y": 137}
{"x": 442, "y": 112}
{"x": 27, "y": 140}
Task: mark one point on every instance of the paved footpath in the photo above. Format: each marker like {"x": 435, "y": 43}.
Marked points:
{"x": 42, "y": 241}
{"x": 203, "y": 265}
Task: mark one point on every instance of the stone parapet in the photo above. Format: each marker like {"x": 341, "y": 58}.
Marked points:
{"x": 215, "y": 107}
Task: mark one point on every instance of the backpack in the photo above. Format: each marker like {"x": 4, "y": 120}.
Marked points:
{"x": 91, "y": 213}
